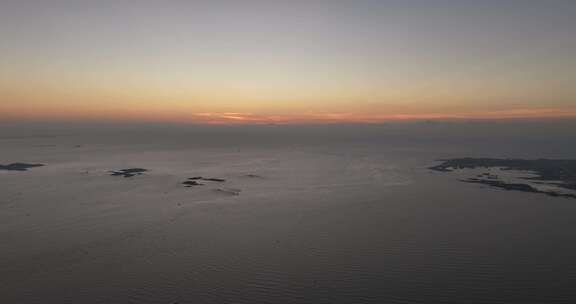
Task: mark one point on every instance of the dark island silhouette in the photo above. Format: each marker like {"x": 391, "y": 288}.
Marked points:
{"x": 194, "y": 181}
{"x": 559, "y": 173}
{"x": 210, "y": 179}
{"x": 128, "y": 172}
{"x": 19, "y": 166}
{"x": 191, "y": 183}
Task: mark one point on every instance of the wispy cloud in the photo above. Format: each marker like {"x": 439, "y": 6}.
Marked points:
{"x": 327, "y": 117}
{"x": 179, "y": 115}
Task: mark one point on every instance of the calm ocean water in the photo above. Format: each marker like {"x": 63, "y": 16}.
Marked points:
{"x": 351, "y": 216}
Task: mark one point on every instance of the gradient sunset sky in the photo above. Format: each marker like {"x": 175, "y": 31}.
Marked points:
{"x": 312, "y": 61}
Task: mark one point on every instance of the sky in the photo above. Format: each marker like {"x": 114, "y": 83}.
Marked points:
{"x": 313, "y": 61}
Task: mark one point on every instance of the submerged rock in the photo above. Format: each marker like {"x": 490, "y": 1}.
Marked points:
{"x": 228, "y": 191}
{"x": 503, "y": 185}
{"x": 253, "y": 176}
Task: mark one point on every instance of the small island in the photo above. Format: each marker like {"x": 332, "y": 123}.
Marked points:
{"x": 191, "y": 183}
{"x": 19, "y": 166}
{"x": 209, "y": 179}
{"x": 553, "y": 177}
{"x": 194, "y": 181}
{"x": 128, "y": 172}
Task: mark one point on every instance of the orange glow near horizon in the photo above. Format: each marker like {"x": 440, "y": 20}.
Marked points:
{"x": 146, "y": 113}
{"x": 67, "y": 102}
{"x": 284, "y": 62}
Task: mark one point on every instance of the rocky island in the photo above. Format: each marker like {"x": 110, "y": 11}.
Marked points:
{"x": 194, "y": 181}
{"x": 128, "y": 172}
{"x": 553, "y": 177}
{"x": 19, "y": 166}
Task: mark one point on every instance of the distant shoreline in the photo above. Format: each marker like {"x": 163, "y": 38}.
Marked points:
{"x": 556, "y": 175}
